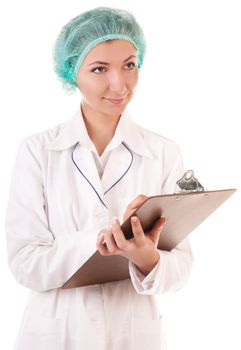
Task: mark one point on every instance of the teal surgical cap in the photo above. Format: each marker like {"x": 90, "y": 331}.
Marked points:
{"x": 84, "y": 32}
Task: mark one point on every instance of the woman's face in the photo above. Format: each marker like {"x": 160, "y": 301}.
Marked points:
{"x": 114, "y": 76}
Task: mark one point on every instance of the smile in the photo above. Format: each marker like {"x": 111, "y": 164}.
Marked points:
{"x": 116, "y": 101}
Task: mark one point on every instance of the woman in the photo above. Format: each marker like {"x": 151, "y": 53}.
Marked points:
{"x": 70, "y": 181}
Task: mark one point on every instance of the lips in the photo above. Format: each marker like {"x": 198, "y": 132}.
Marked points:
{"x": 116, "y": 99}
{"x": 116, "y": 102}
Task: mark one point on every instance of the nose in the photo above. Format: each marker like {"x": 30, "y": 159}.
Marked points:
{"x": 117, "y": 84}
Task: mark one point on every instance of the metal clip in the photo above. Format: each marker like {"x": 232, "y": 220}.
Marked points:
{"x": 188, "y": 183}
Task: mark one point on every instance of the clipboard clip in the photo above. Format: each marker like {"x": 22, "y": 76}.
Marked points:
{"x": 188, "y": 183}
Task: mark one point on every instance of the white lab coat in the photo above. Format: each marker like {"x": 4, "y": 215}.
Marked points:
{"x": 53, "y": 219}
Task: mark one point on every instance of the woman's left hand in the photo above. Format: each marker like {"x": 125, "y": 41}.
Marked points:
{"x": 141, "y": 249}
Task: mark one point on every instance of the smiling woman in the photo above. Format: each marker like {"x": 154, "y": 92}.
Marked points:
{"x": 107, "y": 89}
{"x": 70, "y": 181}
{"x": 113, "y": 39}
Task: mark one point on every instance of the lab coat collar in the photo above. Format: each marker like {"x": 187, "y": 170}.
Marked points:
{"x": 75, "y": 131}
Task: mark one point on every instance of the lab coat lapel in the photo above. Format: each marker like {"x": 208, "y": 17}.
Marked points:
{"x": 118, "y": 164}
{"x": 128, "y": 140}
{"x": 86, "y": 168}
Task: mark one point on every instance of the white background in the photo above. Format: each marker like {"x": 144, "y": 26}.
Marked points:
{"x": 189, "y": 91}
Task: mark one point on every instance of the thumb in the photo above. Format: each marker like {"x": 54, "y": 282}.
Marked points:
{"x": 136, "y": 203}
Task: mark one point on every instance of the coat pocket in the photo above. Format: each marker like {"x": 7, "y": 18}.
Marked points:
{"x": 39, "y": 332}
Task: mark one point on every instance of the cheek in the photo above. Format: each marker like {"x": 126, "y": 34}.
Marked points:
{"x": 132, "y": 81}
{"x": 88, "y": 84}
{"x": 135, "y": 79}
{"x": 91, "y": 88}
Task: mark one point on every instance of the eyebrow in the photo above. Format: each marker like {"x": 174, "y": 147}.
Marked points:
{"x": 107, "y": 64}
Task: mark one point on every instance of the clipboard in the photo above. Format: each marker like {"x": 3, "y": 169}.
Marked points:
{"x": 183, "y": 211}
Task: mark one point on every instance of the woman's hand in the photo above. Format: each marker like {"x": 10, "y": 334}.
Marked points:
{"x": 141, "y": 249}
{"x": 136, "y": 203}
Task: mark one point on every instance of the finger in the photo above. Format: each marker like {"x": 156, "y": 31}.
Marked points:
{"x": 121, "y": 241}
{"x": 102, "y": 248}
{"x": 110, "y": 242}
{"x": 159, "y": 224}
{"x": 137, "y": 201}
{"x": 157, "y": 229}
{"x": 137, "y": 229}
{"x": 134, "y": 205}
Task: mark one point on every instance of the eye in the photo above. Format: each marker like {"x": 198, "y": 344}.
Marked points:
{"x": 99, "y": 68}
{"x": 132, "y": 64}
{"x": 94, "y": 70}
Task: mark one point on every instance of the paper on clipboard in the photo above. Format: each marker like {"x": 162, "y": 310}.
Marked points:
{"x": 183, "y": 211}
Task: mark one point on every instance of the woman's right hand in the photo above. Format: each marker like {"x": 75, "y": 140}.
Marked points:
{"x": 136, "y": 203}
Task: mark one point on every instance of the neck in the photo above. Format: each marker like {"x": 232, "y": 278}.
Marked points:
{"x": 100, "y": 127}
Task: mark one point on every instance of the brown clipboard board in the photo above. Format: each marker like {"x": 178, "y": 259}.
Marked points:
{"x": 184, "y": 212}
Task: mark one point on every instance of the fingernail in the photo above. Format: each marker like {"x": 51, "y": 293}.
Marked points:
{"x": 134, "y": 219}
{"x": 163, "y": 222}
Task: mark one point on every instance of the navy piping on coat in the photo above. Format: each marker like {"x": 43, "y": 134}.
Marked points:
{"x": 72, "y": 156}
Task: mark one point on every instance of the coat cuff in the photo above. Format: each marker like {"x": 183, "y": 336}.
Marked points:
{"x": 143, "y": 284}
{"x": 169, "y": 275}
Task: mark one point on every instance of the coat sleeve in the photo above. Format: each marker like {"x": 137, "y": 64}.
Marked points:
{"x": 172, "y": 269}
{"x": 38, "y": 258}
